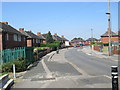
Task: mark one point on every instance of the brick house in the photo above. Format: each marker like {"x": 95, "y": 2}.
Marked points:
{"x": 42, "y": 39}
{"x": 57, "y": 38}
{"x": 89, "y": 40}
{"x": 115, "y": 37}
{"x": 32, "y": 39}
{"x": 75, "y": 42}
{"x": 11, "y": 37}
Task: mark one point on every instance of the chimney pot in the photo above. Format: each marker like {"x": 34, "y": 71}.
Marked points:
{"x": 62, "y": 36}
{"x": 5, "y": 23}
{"x": 38, "y": 33}
{"x": 21, "y": 29}
{"x": 55, "y": 34}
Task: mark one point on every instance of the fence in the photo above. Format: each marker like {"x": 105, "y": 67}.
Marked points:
{"x": 9, "y": 55}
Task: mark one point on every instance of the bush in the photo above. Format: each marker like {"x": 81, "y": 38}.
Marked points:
{"x": 50, "y": 45}
{"x": 20, "y": 65}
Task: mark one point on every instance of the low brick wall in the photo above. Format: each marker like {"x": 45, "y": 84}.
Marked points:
{"x": 96, "y": 47}
{"x": 116, "y": 50}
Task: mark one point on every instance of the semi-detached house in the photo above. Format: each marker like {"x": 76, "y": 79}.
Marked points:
{"x": 11, "y": 37}
{"x": 32, "y": 39}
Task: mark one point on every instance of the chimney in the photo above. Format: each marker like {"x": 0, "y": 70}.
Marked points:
{"x": 29, "y": 31}
{"x": 62, "y": 36}
{"x": 5, "y": 23}
{"x": 38, "y": 33}
{"x": 55, "y": 34}
{"x": 21, "y": 29}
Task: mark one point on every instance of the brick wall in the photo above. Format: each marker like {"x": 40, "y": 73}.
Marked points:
{"x": 96, "y": 47}
{"x": 10, "y": 43}
{"x": 106, "y": 39}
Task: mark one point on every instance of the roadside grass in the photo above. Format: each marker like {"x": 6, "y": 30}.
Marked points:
{"x": 1, "y": 74}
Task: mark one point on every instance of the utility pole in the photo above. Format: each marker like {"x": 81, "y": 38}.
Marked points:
{"x": 109, "y": 29}
{"x": 92, "y": 35}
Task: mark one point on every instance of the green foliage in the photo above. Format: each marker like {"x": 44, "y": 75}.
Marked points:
{"x": 20, "y": 65}
{"x": 78, "y": 39}
{"x": 49, "y": 38}
{"x": 50, "y": 45}
{"x": 41, "y": 48}
{"x": 95, "y": 43}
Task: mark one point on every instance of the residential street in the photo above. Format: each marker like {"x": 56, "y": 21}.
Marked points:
{"x": 71, "y": 68}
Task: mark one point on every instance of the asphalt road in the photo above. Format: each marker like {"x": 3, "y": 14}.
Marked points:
{"x": 90, "y": 64}
{"x": 71, "y": 68}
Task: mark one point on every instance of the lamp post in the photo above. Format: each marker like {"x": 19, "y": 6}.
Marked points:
{"x": 109, "y": 29}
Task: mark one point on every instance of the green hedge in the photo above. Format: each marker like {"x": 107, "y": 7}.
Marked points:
{"x": 20, "y": 65}
{"x": 51, "y": 45}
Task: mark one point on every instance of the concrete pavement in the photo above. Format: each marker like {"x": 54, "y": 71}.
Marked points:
{"x": 89, "y": 51}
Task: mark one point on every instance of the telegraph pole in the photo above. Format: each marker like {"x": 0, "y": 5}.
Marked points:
{"x": 92, "y": 35}
{"x": 109, "y": 29}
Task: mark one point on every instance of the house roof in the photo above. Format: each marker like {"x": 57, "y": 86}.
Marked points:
{"x": 57, "y": 38}
{"x": 64, "y": 39}
{"x": 41, "y": 37}
{"x": 30, "y": 34}
{"x": 8, "y": 28}
{"x": 90, "y": 39}
{"x": 44, "y": 35}
{"x": 106, "y": 34}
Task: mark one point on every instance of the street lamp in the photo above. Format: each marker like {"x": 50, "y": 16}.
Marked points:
{"x": 109, "y": 29}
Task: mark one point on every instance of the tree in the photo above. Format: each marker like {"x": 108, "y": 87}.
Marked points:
{"x": 77, "y": 39}
{"x": 49, "y": 38}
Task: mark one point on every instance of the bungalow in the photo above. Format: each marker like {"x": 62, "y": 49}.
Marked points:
{"x": 32, "y": 39}
{"x": 75, "y": 42}
{"x": 10, "y": 37}
{"x": 89, "y": 40}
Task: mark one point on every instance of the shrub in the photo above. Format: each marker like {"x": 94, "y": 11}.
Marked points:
{"x": 20, "y": 65}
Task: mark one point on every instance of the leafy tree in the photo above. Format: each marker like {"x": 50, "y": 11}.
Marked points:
{"x": 77, "y": 39}
{"x": 49, "y": 38}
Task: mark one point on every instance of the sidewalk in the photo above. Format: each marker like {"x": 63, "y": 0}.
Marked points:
{"x": 89, "y": 51}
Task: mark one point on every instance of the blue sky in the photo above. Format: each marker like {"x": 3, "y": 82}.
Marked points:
{"x": 71, "y": 19}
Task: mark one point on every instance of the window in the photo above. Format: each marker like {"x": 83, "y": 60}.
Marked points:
{"x": 6, "y": 37}
{"x": 19, "y": 38}
{"x": 15, "y": 37}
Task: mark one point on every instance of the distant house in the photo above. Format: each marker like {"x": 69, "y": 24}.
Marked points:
{"x": 42, "y": 38}
{"x": 89, "y": 40}
{"x": 11, "y": 37}
{"x": 115, "y": 37}
{"x": 32, "y": 39}
{"x": 75, "y": 42}
{"x": 65, "y": 41}
{"x": 57, "y": 38}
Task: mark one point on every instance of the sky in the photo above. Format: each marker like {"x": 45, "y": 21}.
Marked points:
{"x": 71, "y": 19}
